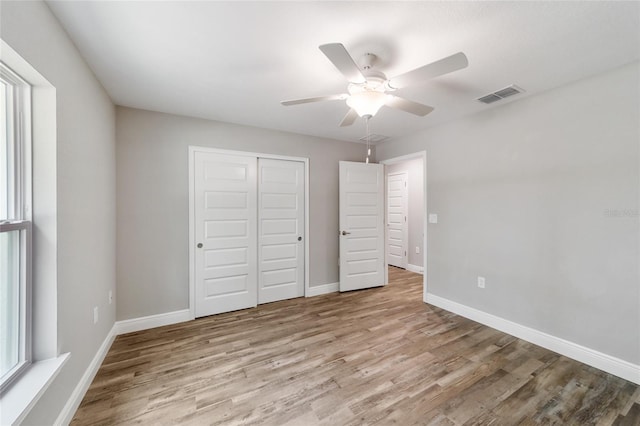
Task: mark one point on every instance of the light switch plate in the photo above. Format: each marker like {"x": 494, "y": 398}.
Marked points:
{"x": 433, "y": 218}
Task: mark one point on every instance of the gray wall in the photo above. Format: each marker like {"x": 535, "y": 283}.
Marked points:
{"x": 152, "y": 187}
{"x": 415, "y": 217}
{"x": 540, "y": 196}
{"x": 85, "y": 193}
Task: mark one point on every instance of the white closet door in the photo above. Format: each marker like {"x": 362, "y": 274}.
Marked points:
{"x": 225, "y": 193}
{"x": 397, "y": 227}
{"x": 280, "y": 230}
{"x": 361, "y": 225}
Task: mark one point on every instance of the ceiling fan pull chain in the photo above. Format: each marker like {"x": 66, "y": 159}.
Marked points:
{"x": 366, "y": 120}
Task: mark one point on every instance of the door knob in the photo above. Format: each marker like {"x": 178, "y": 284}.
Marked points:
{"x": 199, "y": 245}
{"x": 299, "y": 238}
{"x": 345, "y": 233}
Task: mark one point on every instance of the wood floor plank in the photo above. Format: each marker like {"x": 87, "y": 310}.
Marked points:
{"x": 370, "y": 357}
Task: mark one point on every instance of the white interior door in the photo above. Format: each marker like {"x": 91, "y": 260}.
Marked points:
{"x": 280, "y": 229}
{"x": 225, "y": 216}
{"x": 397, "y": 232}
{"x": 361, "y": 225}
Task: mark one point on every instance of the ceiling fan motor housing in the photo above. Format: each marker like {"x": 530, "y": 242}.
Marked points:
{"x": 375, "y": 82}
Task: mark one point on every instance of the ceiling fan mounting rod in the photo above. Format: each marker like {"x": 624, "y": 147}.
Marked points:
{"x": 368, "y": 60}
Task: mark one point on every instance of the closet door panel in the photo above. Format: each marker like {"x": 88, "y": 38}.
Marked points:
{"x": 225, "y": 193}
{"x": 280, "y": 229}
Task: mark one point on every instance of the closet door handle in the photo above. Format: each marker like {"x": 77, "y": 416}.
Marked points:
{"x": 345, "y": 233}
{"x": 199, "y": 245}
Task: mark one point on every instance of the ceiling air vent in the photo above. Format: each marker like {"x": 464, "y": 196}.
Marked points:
{"x": 374, "y": 138}
{"x": 501, "y": 94}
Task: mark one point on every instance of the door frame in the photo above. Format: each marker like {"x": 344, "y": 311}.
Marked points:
{"x": 192, "y": 149}
{"x": 401, "y": 159}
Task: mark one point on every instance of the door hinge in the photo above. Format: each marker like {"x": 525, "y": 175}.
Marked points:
{"x": 405, "y": 252}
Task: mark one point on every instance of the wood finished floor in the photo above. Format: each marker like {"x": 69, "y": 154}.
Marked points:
{"x": 378, "y": 356}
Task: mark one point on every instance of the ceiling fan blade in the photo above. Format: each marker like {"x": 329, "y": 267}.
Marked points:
{"x": 339, "y": 56}
{"x": 349, "y": 118}
{"x": 342, "y": 96}
{"x": 420, "y": 75}
{"x": 408, "y": 106}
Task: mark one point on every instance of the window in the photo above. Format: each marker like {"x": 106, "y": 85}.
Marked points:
{"x": 15, "y": 225}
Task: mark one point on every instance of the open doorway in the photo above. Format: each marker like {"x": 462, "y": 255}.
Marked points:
{"x": 405, "y": 214}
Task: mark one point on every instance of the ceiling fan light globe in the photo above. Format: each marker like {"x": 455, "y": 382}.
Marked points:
{"x": 367, "y": 102}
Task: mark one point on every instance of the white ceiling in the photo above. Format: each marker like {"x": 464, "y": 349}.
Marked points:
{"x": 234, "y": 61}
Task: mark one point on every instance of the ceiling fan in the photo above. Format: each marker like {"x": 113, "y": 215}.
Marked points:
{"x": 368, "y": 88}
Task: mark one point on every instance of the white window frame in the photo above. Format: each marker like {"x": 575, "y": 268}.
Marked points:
{"x": 47, "y": 361}
{"x": 19, "y": 211}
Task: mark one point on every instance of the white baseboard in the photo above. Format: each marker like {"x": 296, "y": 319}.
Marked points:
{"x": 317, "y": 290}
{"x": 69, "y": 409}
{"x": 152, "y": 321}
{"x": 120, "y": 327}
{"x": 604, "y": 362}
{"x": 415, "y": 268}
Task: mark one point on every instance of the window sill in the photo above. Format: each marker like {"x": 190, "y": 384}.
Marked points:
{"x": 22, "y": 395}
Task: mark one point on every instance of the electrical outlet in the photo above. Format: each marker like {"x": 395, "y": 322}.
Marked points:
{"x": 110, "y": 296}
{"x": 481, "y": 282}
{"x": 95, "y": 314}
{"x": 417, "y": 250}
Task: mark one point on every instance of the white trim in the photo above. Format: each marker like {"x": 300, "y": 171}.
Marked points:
{"x": 192, "y": 233}
{"x": 307, "y": 196}
{"x": 192, "y": 149}
{"x": 246, "y": 153}
{"x": 151, "y": 321}
{"x": 402, "y": 158}
{"x": 415, "y": 268}
{"x": 317, "y": 290}
{"x": 19, "y": 199}
{"x": 604, "y": 362}
{"x": 22, "y": 396}
{"x": 120, "y": 327}
{"x": 43, "y": 212}
{"x": 69, "y": 410}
